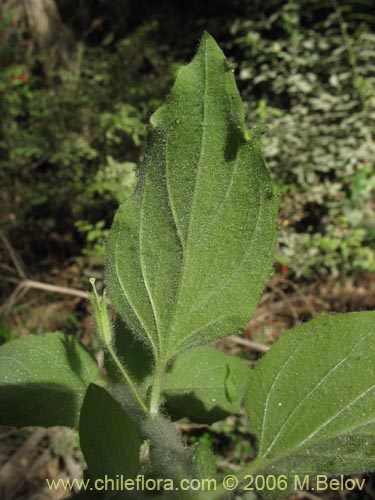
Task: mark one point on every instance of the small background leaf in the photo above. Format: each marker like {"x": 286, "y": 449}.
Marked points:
{"x": 43, "y": 380}
{"x": 205, "y": 384}
{"x": 311, "y": 400}
{"x": 109, "y": 440}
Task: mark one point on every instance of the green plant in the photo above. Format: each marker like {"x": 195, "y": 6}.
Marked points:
{"x": 187, "y": 258}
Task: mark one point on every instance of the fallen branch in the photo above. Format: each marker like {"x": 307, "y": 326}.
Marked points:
{"x": 26, "y": 285}
{"x": 39, "y": 285}
{"x": 249, "y": 344}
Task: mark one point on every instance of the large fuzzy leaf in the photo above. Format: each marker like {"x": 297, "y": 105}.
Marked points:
{"x": 311, "y": 400}
{"x": 43, "y": 380}
{"x": 189, "y": 254}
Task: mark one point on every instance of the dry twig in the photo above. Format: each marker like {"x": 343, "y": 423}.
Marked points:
{"x": 249, "y": 344}
{"x": 26, "y": 285}
{"x": 16, "y": 259}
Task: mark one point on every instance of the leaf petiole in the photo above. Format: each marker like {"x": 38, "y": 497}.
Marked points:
{"x": 128, "y": 379}
{"x": 161, "y": 364}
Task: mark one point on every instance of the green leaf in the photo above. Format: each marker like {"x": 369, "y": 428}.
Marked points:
{"x": 311, "y": 398}
{"x": 204, "y": 462}
{"x": 109, "y": 440}
{"x": 43, "y": 380}
{"x": 205, "y": 384}
{"x": 190, "y": 252}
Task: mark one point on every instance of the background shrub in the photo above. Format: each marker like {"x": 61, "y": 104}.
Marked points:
{"x": 72, "y": 135}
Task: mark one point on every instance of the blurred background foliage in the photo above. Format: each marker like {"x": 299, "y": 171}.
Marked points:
{"x": 79, "y": 80}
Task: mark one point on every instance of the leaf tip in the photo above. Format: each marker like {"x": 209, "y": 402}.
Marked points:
{"x": 206, "y": 36}
{"x": 208, "y": 41}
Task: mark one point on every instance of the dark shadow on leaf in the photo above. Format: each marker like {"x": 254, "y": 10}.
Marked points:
{"x": 42, "y": 405}
{"x": 72, "y": 356}
{"x": 233, "y": 141}
{"x": 188, "y": 405}
{"x": 133, "y": 354}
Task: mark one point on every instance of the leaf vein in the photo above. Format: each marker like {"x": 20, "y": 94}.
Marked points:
{"x": 199, "y": 167}
{"x": 142, "y": 266}
{"x": 321, "y": 381}
{"x": 138, "y": 316}
{"x": 334, "y": 417}
{"x": 273, "y": 385}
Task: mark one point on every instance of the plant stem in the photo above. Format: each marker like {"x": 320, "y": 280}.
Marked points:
{"x": 126, "y": 376}
{"x": 161, "y": 364}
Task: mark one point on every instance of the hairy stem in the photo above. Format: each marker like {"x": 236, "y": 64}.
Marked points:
{"x": 161, "y": 364}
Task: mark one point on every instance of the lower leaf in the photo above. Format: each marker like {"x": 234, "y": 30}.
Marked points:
{"x": 311, "y": 399}
{"x": 43, "y": 379}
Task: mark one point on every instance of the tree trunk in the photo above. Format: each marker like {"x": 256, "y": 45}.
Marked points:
{"x": 47, "y": 31}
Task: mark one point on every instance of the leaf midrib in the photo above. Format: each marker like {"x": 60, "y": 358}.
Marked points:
{"x": 192, "y": 209}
